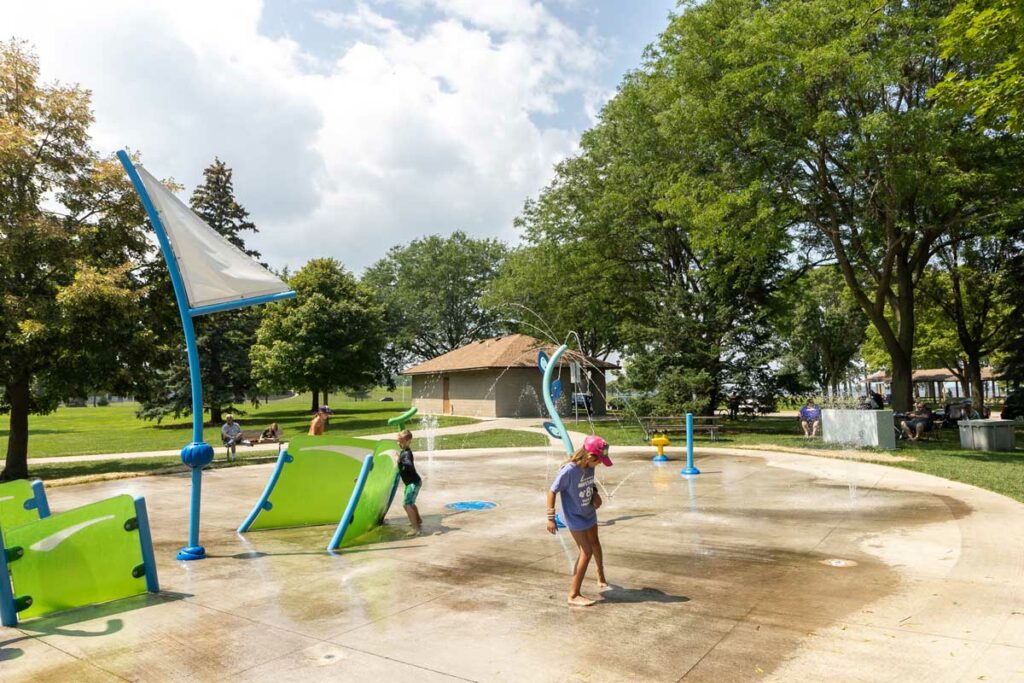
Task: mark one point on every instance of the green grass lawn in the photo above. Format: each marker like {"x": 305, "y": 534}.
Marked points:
{"x": 941, "y": 455}
{"x": 115, "y": 429}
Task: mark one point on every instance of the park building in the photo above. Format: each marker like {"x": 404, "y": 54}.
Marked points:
{"x": 938, "y": 384}
{"x": 499, "y": 377}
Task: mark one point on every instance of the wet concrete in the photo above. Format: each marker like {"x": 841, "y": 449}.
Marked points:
{"x": 725, "y": 577}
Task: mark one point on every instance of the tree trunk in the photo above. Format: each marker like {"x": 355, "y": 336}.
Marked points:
{"x": 216, "y": 415}
{"x": 902, "y": 383}
{"x": 316, "y": 401}
{"x": 977, "y": 386}
{"x": 327, "y": 401}
{"x": 17, "y": 438}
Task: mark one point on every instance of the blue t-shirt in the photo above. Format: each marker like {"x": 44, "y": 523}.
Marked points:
{"x": 576, "y": 486}
{"x": 810, "y": 414}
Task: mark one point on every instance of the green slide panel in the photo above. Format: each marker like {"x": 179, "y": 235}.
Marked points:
{"x": 369, "y": 503}
{"x": 311, "y": 483}
{"x": 84, "y": 556}
{"x": 22, "y": 501}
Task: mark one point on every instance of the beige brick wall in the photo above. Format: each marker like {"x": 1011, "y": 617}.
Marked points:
{"x": 471, "y": 393}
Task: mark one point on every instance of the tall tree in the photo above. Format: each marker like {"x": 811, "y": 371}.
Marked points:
{"x": 827, "y": 103}
{"x": 825, "y": 327}
{"x": 986, "y": 40}
{"x": 223, "y": 340}
{"x": 331, "y": 336}
{"x": 693, "y": 297}
{"x": 214, "y": 201}
{"x": 552, "y": 290}
{"x": 70, "y": 235}
{"x": 432, "y": 289}
{"x": 968, "y": 285}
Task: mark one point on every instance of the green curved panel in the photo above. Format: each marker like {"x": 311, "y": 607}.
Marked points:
{"x": 315, "y": 485}
{"x": 79, "y": 557}
{"x": 13, "y": 496}
{"x": 372, "y": 504}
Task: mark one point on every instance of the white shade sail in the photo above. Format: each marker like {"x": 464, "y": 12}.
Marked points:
{"x": 214, "y": 270}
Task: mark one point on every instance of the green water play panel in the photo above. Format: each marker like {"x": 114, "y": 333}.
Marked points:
{"x": 80, "y": 557}
{"x": 315, "y": 486}
{"x": 13, "y": 495}
{"x": 371, "y": 507}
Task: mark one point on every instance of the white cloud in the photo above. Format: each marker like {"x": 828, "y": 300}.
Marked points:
{"x": 413, "y": 129}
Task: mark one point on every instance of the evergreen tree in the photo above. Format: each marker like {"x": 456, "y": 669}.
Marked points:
{"x": 214, "y": 201}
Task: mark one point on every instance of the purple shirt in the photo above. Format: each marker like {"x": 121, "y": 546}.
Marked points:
{"x": 576, "y": 486}
{"x": 810, "y": 414}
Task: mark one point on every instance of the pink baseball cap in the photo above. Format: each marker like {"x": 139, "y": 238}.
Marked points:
{"x": 595, "y": 445}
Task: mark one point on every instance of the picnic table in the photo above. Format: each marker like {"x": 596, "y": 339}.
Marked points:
{"x": 674, "y": 424}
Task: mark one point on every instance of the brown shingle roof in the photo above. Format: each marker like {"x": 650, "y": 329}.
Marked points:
{"x": 512, "y": 351}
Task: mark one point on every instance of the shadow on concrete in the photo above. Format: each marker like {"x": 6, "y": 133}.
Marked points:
{"x": 634, "y": 595}
{"x": 623, "y": 518}
{"x": 57, "y": 623}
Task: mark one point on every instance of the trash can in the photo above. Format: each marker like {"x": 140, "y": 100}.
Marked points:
{"x": 987, "y": 435}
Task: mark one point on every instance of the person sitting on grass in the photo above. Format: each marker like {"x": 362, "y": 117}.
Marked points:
{"x": 319, "y": 422}
{"x": 918, "y": 421}
{"x": 231, "y": 435}
{"x": 810, "y": 419}
{"x": 411, "y": 480}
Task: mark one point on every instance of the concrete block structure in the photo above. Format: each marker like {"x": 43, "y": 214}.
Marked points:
{"x": 498, "y": 377}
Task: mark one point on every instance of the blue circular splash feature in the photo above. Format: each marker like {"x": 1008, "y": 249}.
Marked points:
{"x": 471, "y": 505}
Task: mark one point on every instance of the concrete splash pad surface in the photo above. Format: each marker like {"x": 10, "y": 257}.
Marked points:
{"x": 724, "y": 577}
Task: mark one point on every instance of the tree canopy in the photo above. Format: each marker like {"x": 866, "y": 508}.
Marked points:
{"x": 72, "y": 233}
{"x": 432, "y": 289}
{"x": 331, "y": 336}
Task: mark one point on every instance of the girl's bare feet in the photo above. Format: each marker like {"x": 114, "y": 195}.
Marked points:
{"x": 602, "y": 585}
{"x": 581, "y": 601}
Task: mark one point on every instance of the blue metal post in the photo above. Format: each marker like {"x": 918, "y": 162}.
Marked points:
{"x": 146, "y": 541}
{"x": 197, "y": 454}
{"x": 8, "y": 610}
{"x": 689, "y": 469}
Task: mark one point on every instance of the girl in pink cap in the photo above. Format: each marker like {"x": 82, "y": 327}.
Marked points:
{"x": 580, "y": 500}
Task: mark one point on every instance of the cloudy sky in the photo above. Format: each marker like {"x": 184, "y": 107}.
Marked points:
{"x": 351, "y": 126}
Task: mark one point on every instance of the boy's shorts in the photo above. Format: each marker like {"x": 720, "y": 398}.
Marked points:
{"x": 411, "y": 491}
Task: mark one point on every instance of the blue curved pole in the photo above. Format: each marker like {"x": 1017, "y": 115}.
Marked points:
{"x": 559, "y": 425}
{"x": 195, "y": 453}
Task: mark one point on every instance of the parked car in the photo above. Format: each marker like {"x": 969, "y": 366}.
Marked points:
{"x": 1013, "y": 405}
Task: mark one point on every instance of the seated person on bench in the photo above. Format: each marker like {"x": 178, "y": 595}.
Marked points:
{"x": 918, "y": 422}
{"x": 270, "y": 434}
{"x": 810, "y": 418}
{"x": 231, "y": 435}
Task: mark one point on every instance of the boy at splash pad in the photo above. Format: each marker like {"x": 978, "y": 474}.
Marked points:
{"x": 580, "y": 501}
{"x": 410, "y": 479}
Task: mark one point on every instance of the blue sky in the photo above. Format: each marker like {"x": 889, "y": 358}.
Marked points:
{"x": 351, "y": 126}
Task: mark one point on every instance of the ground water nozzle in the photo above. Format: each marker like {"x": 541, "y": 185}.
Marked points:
{"x": 659, "y": 441}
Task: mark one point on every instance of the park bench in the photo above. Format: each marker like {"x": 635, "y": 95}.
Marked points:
{"x": 253, "y": 437}
{"x": 669, "y": 425}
